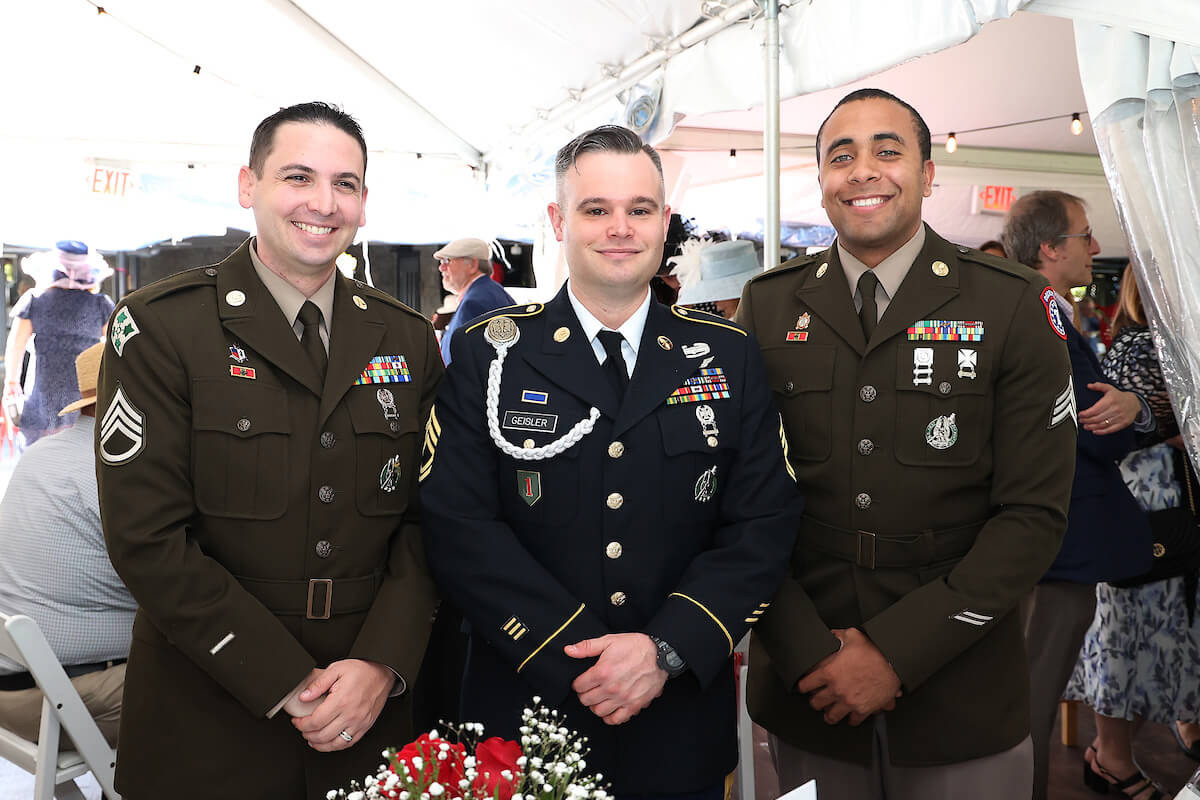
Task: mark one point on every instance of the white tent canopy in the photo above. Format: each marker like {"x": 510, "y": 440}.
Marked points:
{"x": 113, "y": 136}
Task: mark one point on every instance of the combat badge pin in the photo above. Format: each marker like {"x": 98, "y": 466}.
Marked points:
{"x": 529, "y": 486}
{"x": 967, "y": 360}
{"x": 388, "y": 403}
{"x": 923, "y": 366}
{"x": 706, "y": 485}
{"x": 708, "y": 424}
{"x": 237, "y": 354}
{"x": 941, "y": 433}
{"x": 697, "y": 350}
{"x": 389, "y": 476}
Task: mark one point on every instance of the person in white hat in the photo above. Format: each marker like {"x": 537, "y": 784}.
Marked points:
{"x": 715, "y": 273}
{"x": 463, "y": 263}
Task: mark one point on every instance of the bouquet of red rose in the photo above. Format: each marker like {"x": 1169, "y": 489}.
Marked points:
{"x": 547, "y": 764}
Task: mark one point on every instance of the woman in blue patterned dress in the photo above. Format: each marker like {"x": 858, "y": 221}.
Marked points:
{"x": 65, "y": 318}
{"x": 1141, "y": 658}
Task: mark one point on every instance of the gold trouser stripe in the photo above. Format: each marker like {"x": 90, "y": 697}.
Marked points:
{"x": 783, "y": 440}
{"x": 710, "y": 614}
{"x": 729, "y": 785}
{"x": 570, "y": 619}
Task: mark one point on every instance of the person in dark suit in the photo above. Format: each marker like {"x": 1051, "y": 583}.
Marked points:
{"x": 1108, "y": 537}
{"x": 466, "y": 268}
{"x": 257, "y": 452}
{"x": 926, "y": 396}
{"x": 607, "y": 494}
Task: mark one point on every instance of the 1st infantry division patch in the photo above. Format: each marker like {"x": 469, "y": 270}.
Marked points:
{"x": 122, "y": 431}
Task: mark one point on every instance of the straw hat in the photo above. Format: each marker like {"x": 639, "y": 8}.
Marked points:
{"x": 87, "y": 372}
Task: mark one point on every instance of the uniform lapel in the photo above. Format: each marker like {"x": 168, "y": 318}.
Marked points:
{"x": 570, "y": 363}
{"x": 831, "y": 299}
{"x": 258, "y": 321}
{"x": 922, "y": 291}
{"x": 659, "y": 370}
{"x": 354, "y": 340}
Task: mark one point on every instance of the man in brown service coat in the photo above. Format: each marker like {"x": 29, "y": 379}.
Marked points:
{"x": 257, "y": 452}
{"x": 925, "y": 389}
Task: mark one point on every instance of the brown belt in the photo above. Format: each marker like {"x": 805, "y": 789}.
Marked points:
{"x": 870, "y": 550}
{"x": 317, "y": 598}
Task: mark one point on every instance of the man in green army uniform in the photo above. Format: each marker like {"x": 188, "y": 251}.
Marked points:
{"x": 258, "y": 445}
{"x": 925, "y": 390}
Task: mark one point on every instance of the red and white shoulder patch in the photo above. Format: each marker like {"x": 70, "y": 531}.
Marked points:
{"x": 1053, "y": 312}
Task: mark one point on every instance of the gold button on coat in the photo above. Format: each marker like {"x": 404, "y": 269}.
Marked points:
{"x": 617, "y": 598}
{"x": 616, "y": 450}
{"x": 613, "y": 550}
{"x": 615, "y": 500}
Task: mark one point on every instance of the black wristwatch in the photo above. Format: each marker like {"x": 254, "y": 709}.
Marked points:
{"x": 669, "y": 659}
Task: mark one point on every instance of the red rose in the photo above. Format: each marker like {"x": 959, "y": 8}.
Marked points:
{"x": 492, "y": 757}
{"x": 448, "y": 772}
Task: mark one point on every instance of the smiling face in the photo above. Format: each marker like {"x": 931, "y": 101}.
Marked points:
{"x": 1067, "y": 261}
{"x": 612, "y": 222}
{"x": 309, "y": 200}
{"x": 873, "y": 178}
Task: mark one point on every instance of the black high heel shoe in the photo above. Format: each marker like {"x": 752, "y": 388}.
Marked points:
{"x": 1098, "y": 781}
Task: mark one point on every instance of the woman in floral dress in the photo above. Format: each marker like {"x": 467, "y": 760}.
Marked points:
{"x": 1141, "y": 658}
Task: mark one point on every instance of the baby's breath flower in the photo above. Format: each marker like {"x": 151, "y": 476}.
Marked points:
{"x": 331, "y": 794}
{"x": 355, "y": 796}
{"x": 436, "y": 789}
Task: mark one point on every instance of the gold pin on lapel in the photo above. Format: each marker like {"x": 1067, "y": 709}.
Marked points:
{"x": 821, "y": 270}
{"x": 562, "y": 334}
{"x": 358, "y": 301}
{"x": 665, "y": 343}
{"x": 235, "y": 298}
{"x": 940, "y": 269}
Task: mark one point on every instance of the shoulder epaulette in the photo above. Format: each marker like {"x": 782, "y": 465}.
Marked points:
{"x": 188, "y": 279}
{"x": 792, "y": 265}
{"x": 384, "y": 297}
{"x": 516, "y": 312}
{"x": 705, "y": 318}
{"x": 1005, "y": 265}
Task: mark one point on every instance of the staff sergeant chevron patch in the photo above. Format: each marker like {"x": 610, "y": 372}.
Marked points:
{"x": 1064, "y": 406}
{"x": 122, "y": 431}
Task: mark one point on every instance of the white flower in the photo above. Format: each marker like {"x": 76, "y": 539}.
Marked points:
{"x": 404, "y": 795}
{"x": 536, "y": 699}
{"x": 331, "y": 794}
{"x": 464, "y": 783}
{"x": 355, "y": 796}
{"x": 547, "y": 788}
{"x": 469, "y": 762}
{"x": 441, "y": 755}
{"x": 433, "y": 734}
{"x": 418, "y": 762}
{"x": 436, "y": 789}
{"x": 506, "y": 774}
{"x": 522, "y": 761}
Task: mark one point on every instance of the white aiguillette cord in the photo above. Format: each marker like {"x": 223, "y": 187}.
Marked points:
{"x": 502, "y": 333}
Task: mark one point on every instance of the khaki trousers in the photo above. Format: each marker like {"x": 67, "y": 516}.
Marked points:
{"x": 1004, "y": 776}
{"x": 21, "y": 711}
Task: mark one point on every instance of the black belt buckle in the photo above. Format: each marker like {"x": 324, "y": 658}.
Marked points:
{"x": 865, "y": 555}
{"x": 312, "y": 585}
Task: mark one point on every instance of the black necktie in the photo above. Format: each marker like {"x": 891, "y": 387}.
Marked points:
{"x": 868, "y": 314}
{"x": 614, "y": 365}
{"x": 310, "y": 340}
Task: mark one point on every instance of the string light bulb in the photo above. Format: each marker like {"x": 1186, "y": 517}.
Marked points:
{"x": 732, "y": 158}
{"x": 1076, "y": 124}
{"x": 951, "y": 143}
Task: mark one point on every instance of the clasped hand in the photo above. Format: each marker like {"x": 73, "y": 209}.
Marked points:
{"x": 346, "y": 696}
{"x": 856, "y": 681}
{"x": 624, "y": 679}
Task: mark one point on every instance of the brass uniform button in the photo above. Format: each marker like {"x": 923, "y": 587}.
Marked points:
{"x": 615, "y": 501}
{"x": 613, "y": 550}
{"x": 866, "y": 447}
{"x": 944, "y": 387}
{"x": 210, "y": 272}
{"x": 868, "y": 394}
{"x": 863, "y": 501}
{"x": 788, "y": 387}
{"x": 617, "y": 598}
{"x": 328, "y": 440}
{"x": 324, "y": 549}
{"x": 394, "y": 425}
{"x": 712, "y": 441}
{"x": 326, "y": 494}
{"x": 243, "y": 424}
{"x": 616, "y": 450}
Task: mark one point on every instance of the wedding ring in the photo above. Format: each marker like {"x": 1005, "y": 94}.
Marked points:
{"x": 1105, "y": 422}
{"x": 346, "y": 736}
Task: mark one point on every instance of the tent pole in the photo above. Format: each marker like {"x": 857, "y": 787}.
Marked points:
{"x": 771, "y": 136}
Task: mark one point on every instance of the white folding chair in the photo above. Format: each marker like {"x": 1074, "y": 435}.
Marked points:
{"x": 62, "y": 710}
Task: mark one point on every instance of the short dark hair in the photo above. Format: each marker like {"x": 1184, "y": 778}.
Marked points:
{"x": 923, "y": 139}
{"x": 315, "y": 112}
{"x": 992, "y": 244}
{"x": 604, "y": 139}
{"x": 1037, "y": 217}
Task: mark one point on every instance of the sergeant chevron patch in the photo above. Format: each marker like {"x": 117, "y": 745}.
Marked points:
{"x": 1064, "y": 406}
{"x": 122, "y": 430}
{"x": 433, "y": 431}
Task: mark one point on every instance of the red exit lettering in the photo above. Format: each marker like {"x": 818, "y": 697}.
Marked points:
{"x": 110, "y": 181}
{"x": 997, "y": 198}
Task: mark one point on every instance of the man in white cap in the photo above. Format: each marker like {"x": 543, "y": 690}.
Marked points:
{"x": 463, "y": 263}
{"x": 55, "y": 569}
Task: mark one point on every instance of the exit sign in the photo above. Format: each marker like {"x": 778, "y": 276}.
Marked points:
{"x": 993, "y": 199}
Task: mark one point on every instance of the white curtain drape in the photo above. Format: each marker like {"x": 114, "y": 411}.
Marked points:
{"x": 1143, "y": 96}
